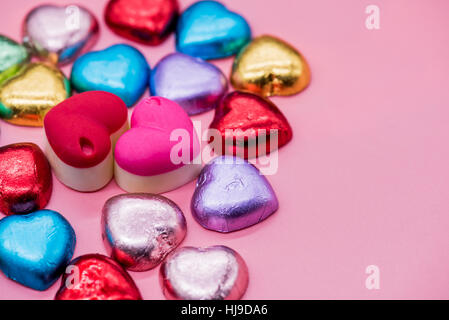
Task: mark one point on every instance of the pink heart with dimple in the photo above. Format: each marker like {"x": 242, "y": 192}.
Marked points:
{"x": 146, "y": 148}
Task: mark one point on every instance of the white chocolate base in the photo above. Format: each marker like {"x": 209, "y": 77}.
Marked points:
{"x": 158, "y": 183}
{"x": 85, "y": 179}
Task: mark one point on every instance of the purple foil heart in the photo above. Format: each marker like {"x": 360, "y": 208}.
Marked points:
{"x": 193, "y": 83}
{"x": 232, "y": 194}
{"x": 59, "y": 34}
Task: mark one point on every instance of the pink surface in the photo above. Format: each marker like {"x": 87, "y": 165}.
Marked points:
{"x": 365, "y": 180}
{"x": 153, "y": 121}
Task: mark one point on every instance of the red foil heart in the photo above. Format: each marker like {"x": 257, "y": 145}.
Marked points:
{"x": 144, "y": 21}
{"x": 97, "y": 277}
{"x": 25, "y": 179}
{"x": 249, "y": 119}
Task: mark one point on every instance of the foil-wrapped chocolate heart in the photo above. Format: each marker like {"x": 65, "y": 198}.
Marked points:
{"x": 59, "y": 34}
{"x": 25, "y": 179}
{"x": 140, "y": 229}
{"x": 270, "y": 67}
{"x": 213, "y": 273}
{"x": 231, "y": 194}
{"x": 26, "y": 97}
{"x": 96, "y": 277}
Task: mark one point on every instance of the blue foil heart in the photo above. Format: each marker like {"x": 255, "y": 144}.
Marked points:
{"x": 208, "y": 30}
{"x": 231, "y": 194}
{"x": 196, "y": 85}
{"x": 35, "y": 248}
{"x": 119, "y": 69}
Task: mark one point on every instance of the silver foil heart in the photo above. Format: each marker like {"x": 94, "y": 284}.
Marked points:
{"x": 213, "y": 273}
{"x": 59, "y": 34}
{"x": 140, "y": 229}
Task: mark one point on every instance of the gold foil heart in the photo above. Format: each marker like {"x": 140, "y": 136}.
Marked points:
{"x": 29, "y": 95}
{"x": 269, "y": 66}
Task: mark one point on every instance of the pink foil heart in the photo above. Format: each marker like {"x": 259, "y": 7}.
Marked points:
{"x": 59, "y": 34}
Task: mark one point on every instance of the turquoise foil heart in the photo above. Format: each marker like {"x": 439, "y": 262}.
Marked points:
{"x": 35, "y": 248}
{"x": 119, "y": 69}
{"x": 208, "y": 30}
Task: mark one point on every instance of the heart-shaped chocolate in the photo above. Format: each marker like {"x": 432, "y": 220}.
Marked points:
{"x": 81, "y": 133}
{"x": 159, "y": 153}
{"x": 25, "y": 179}
{"x": 144, "y": 21}
{"x": 59, "y": 34}
{"x": 250, "y": 125}
{"x": 208, "y": 30}
{"x": 270, "y": 67}
{"x": 12, "y": 56}
{"x": 140, "y": 229}
{"x": 31, "y": 93}
{"x": 231, "y": 194}
{"x": 119, "y": 69}
{"x": 97, "y": 277}
{"x": 213, "y": 273}
{"x": 193, "y": 83}
{"x": 35, "y": 248}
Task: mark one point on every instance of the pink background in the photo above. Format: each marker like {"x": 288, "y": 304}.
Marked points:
{"x": 365, "y": 179}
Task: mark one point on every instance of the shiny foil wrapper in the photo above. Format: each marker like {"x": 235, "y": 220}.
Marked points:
{"x": 145, "y": 21}
{"x": 119, "y": 69}
{"x": 25, "y": 179}
{"x": 209, "y": 30}
{"x": 196, "y": 85}
{"x": 12, "y": 56}
{"x": 35, "y": 248}
{"x": 250, "y": 125}
{"x": 140, "y": 229}
{"x": 31, "y": 93}
{"x": 213, "y": 273}
{"x": 96, "y": 277}
{"x": 270, "y": 67}
{"x": 231, "y": 194}
{"x": 58, "y": 34}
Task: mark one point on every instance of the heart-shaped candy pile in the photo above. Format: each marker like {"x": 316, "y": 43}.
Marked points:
{"x": 231, "y": 194}
{"x": 97, "y": 277}
{"x": 140, "y": 229}
{"x": 35, "y": 248}
{"x": 25, "y": 178}
{"x": 145, "y": 21}
{"x": 214, "y": 273}
{"x": 208, "y": 30}
{"x": 193, "y": 83}
{"x": 59, "y": 34}
{"x": 119, "y": 69}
